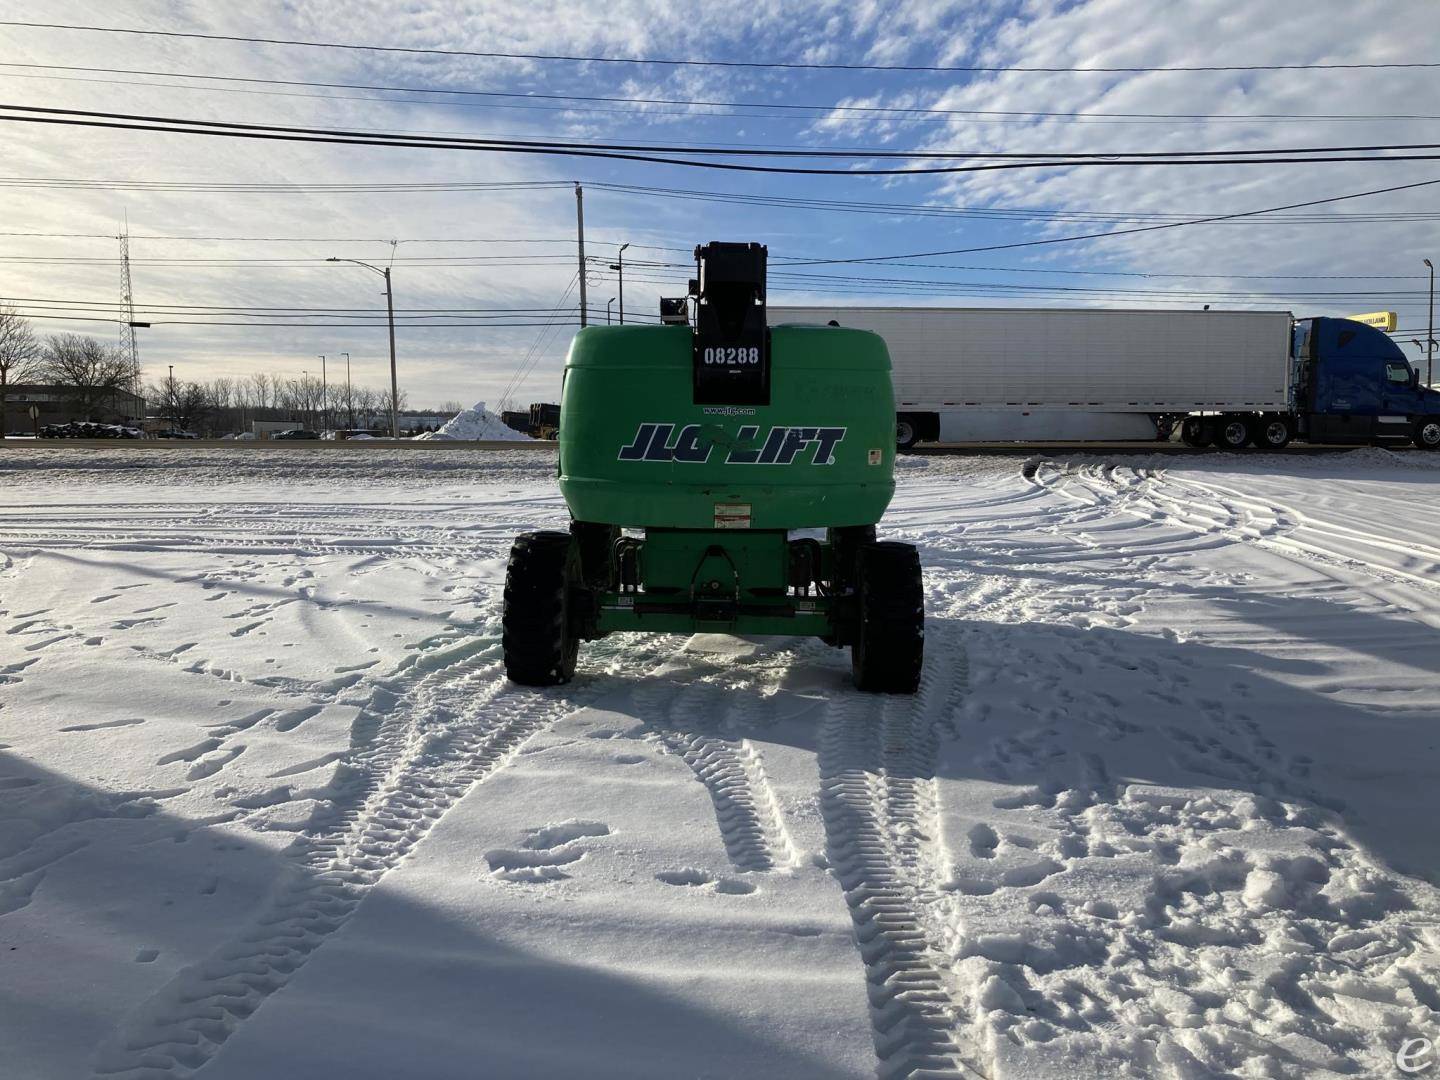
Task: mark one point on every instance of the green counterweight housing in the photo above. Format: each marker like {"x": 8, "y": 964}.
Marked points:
{"x": 725, "y": 477}
{"x": 637, "y": 451}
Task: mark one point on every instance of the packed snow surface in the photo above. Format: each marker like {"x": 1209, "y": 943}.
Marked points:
{"x": 1165, "y": 805}
{"x": 475, "y": 423}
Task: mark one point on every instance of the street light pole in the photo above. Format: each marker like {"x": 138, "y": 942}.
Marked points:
{"x": 324, "y": 394}
{"x": 390, "y": 314}
{"x": 619, "y": 266}
{"x": 349, "y": 395}
{"x": 607, "y": 310}
{"x": 1430, "y": 338}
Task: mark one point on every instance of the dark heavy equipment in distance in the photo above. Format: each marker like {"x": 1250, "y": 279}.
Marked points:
{"x": 540, "y": 421}
{"x": 725, "y": 477}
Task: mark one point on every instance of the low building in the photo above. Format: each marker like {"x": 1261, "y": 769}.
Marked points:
{"x": 60, "y": 405}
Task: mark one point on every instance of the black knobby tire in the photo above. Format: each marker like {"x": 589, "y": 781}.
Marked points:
{"x": 1273, "y": 433}
{"x": 1233, "y": 433}
{"x": 1195, "y": 431}
{"x": 539, "y": 643}
{"x": 1427, "y": 433}
{"x": 889, "y": 646}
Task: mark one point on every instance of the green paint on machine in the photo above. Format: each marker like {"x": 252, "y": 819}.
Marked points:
{"x": 717, "y": 462}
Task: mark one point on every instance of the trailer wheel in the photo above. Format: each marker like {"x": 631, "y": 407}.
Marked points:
{"x": 1232, "y": 433}
{"x": 907, "y": 432}
{"x": 539, "y": 644}
{"x": 1195, "y": 431}
{"x": 889, "y": 645}
{"x": 1427, "y": 433}
{"x": 1273, "y": 433}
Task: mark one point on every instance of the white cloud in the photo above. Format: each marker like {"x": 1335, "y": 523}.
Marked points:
{"x": 475, "y": 363}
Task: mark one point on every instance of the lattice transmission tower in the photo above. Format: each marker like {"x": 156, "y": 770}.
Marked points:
{"x": 129, "y": 351}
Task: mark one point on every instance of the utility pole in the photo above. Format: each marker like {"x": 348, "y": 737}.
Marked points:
{"x": 580, "y": 237}
{"x": 324, "y": 394}
{"x": 619, "y": 266}
{"x": 394, "y": 385}
{"x": 1430, "y": 336}
{"x": 349, "y": 395}
{"x": 390, "y": 313}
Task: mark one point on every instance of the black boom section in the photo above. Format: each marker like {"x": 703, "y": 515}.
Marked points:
{"x": 731, "y": 341}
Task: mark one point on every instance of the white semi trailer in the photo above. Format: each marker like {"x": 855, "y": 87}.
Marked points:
{"x": 1085, "y": 374}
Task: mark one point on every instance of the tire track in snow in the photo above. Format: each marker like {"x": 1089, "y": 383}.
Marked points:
{"x": 879, "y": 801}
{"x": 1299, "y": 534}
{"x": 1211, "y": 508}
{"x": 751, "y": 824}
{"x": 423, "y": 742}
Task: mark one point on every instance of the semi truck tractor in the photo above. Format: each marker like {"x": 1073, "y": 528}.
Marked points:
{"x": 1229, "y": 379}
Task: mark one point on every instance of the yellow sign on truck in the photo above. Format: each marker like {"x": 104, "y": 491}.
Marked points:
{"x": 1381, "y": 320}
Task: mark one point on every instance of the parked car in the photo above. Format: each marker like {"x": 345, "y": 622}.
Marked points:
{"x": 296, "y": 433}
{"x": 176, "y": 435}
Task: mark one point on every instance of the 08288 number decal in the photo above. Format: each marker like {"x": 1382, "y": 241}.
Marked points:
{"x": 730, "y": 354}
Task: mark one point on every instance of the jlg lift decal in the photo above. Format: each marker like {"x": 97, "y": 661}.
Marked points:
{"x": 781, "y": 446}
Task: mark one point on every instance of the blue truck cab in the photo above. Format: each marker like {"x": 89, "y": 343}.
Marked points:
{"x": 1352, "y": 384}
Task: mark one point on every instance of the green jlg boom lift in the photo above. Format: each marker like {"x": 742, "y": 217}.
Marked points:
{"x": 700, "y": 466}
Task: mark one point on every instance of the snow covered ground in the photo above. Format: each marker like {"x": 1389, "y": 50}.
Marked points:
{"x": 1166, "y": 805}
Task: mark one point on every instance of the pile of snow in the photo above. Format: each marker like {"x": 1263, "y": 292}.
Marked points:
{"x": 476, "y": 423}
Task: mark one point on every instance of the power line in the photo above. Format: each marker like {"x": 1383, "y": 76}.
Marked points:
{"x": 1118, "y": 232}
{"x": 994, "y": 162}
{"x": 306, "y": 239}
{"x": 671, "y": 62}
{"x": 784, "y": 109}
{"x": 514, "y": 261}
{"x": 164, "y": 308}
{"x": 532, "y": 357}
{"x": 726, "y": 151}
{"x": 779, "y": 260}
{"x": 322, "y": 325}
{"x": 307, "y": 188}
{"x": 932, "y": 210}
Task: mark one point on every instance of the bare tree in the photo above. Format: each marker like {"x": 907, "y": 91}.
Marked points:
{"x": 182, "y": 402}
{"x": 89, "y": 371}
{"x": 261, "y": 391}
{"x": 366, "y": 401}
{"x": 19, "y": 356}
{"x": 347, "y": 399}
{"x": 452, "y": 406}
{"x": 222, "y": 392}
{"x": 224, "y": 399}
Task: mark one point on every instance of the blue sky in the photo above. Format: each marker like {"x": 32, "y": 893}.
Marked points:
{"x": 532, "y": 229}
